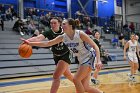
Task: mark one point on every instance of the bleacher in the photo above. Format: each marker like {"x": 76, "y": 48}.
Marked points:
{"x": 41, "y": 62}
{"x": 12, "y": 65}
{"x": 116, "y": 53}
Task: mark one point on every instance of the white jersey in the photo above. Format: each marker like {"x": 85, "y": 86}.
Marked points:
{"x": 132, "y": 51}
{"x": 132, "y": 46}
{"x": 77, "y": 46}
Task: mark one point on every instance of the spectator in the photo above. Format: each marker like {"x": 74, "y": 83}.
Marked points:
{"x": 89, "y": 29}
{"x": 9, "y": 14}
{"x": 79, "y": 15}
{"x": 126, "y": 31}
{"x": 45, "y": 20}
{"x": 2, "y": 12}
{"x": 115, "y": 41}
{"x": 2, "y": 24}
{"x": 31, "y": 27}
{"x": 14, "y": 14}
{"x": 19, "y": 26}
{"x": 132, "y": 27}
{"x": 77, "y": 23}
{"x": 121, "y": 40}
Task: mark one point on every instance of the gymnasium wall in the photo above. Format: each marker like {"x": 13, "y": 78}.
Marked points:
{"x": 55, "y": 5}
{"x": 132, "y": 11}
{"x": 61, "y": 5}
{"x": 106, "y": 9}
{"x": 87, "y": 4}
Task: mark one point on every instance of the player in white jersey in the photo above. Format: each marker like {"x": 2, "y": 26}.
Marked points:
{"x": 75, "y": 40}
{"x": 137, "y": 39}
{"x": 132, "y": 47}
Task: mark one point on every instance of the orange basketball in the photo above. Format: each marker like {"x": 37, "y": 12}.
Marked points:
{"x": 25, "y": 50}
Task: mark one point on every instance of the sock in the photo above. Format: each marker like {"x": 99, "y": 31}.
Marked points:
{"x": 92, "y": 77}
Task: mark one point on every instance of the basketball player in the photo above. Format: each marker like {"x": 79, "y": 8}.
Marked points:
{"x": 60, "y": 53}
{"x": 95, "y": 74}
{"x": 132, "y": 47}
{"x": 137, "y": 38}
{"x": 75, "y": 40}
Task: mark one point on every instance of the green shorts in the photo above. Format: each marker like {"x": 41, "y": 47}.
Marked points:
{"x": 65, "y": 57}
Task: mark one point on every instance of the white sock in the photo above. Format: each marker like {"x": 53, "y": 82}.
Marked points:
{"x": 92, "y": 77}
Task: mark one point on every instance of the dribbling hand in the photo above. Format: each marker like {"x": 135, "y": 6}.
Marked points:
{"x": 25, "y": 41}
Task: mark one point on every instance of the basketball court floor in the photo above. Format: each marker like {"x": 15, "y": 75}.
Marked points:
{"x": 111, "y": 81}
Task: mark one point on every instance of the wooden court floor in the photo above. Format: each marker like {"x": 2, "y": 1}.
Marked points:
{"x": 111, "y": 81}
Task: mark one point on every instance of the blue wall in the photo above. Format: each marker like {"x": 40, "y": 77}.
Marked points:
{"x": 29, "y": 3}
{"x": 10, "y": 2}
{"x": 56, "y": 5}
{"x": 106, "y": 9}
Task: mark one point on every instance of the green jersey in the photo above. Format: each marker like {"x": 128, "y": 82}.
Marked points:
{"x": 97, "y": 43}
{"x": 58, "y": 49}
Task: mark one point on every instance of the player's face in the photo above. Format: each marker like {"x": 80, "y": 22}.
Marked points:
{"x": 65, "y": 25}
{"x": 132, "y": 37}
{"x": 97, "y": 35}
{"x": 136, "y": 37}
{"x": 55, "y": 25}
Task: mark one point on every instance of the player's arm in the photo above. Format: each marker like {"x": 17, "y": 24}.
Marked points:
{"x": 37, "y": 38}
{"x": 88, "y": 40}
{"x": 45, "y": 43}
{"x": 124, "y": 50}
{"x": 137, "y": 49}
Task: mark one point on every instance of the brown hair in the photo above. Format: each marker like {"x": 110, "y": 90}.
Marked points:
{"x": 59, "y": 20}
{"x": 72, "y": 22}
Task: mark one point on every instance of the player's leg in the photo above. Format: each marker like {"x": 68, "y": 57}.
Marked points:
{"x": 79, "y": 76}
{"x": 132, "y": 69}
{"x": 136, "y": 66}
{"x": 68, "y": 74}
{"x": 95, "y": 76}
{"x": 60, "y": 69}
{"x": 139, "y": 65}
{"x": 139, "y": 68}
{"x": 87, "y": 87}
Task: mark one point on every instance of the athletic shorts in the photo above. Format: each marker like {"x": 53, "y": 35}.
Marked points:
{"x": 89, "y": 61}
{"x": 65, "y": 57}
{"x": 132, "y": 57}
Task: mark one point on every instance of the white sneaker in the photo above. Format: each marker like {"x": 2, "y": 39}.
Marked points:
{"x": 129, "y": 74}
{"x": 132, "y": 78}
{"x": 21, "y": 33}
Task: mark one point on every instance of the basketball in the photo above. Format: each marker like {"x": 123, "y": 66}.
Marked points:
{"x": 25, "y": 50}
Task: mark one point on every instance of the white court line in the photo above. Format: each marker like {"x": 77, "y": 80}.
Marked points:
{"x": 46, "y": 87}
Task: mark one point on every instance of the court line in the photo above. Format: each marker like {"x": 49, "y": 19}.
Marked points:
{"x": 46, "y": 88}
{"x": 4, "y": 84}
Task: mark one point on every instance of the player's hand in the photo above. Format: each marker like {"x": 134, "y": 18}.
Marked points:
{"x": 124, "y": 58}
{"x": 25, "y": 41}
{"x": 99, "y": 65}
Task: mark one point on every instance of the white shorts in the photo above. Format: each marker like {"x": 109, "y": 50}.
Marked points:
{"x": 132, "y": 57}
{"x": 89, "y": 61}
